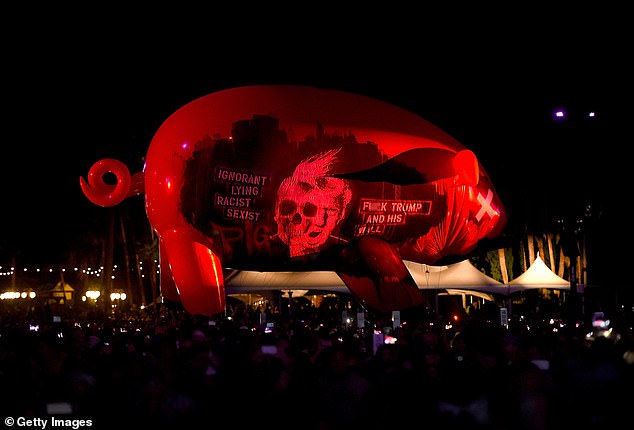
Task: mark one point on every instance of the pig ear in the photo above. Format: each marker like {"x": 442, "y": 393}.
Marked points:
{"x": 376, "y": 274}
{"x": 101, "y": 193}
{"x": 196, "y": 270}
{"x": 466, "y": 166}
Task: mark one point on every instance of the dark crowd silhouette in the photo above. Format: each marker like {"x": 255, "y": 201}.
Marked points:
{"x": 310, "y": 370}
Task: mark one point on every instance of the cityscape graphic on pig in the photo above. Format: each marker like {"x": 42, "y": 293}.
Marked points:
{"x": 293, "y": 178}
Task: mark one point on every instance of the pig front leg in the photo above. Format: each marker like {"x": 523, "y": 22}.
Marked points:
{"x": 195, "y": 269}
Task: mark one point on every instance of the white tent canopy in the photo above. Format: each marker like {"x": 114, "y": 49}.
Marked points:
{"x": 461, "y": 276}
{"x": 538, "y": 275}
{"x": 247, "y": 281}
{"x": 458, "y": 276}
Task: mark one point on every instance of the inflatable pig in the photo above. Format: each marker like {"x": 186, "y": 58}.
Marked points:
{"x": 291, "y": 178}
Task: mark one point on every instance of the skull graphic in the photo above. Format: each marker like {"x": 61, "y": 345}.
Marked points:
{"x": 310, "y": 205}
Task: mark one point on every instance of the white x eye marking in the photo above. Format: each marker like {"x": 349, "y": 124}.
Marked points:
{"x": 486, "y": 205}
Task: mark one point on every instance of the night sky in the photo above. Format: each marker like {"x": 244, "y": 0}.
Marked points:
{"x": 66, "y": 107}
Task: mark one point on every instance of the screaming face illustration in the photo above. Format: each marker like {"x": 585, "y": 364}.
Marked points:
{"x": 310, "y": 205}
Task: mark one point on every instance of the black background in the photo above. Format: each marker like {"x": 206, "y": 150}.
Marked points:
{"x": 75, "y": 94}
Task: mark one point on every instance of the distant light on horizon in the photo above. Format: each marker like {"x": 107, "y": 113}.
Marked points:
{"x": 563, "y": 114}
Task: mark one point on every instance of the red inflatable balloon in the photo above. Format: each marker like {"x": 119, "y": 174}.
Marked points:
{"x": 292, "y": 178}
